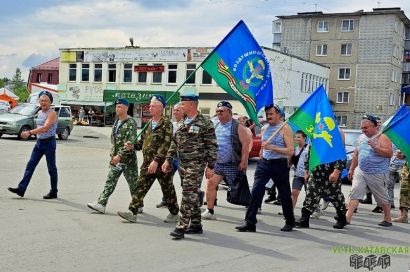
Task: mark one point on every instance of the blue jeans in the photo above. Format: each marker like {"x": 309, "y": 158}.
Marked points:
{"x": 278, "y": 171}
{"x": 47, "y": 148}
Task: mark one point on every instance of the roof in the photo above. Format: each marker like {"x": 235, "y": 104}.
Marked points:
{"x": 293, "y": 56}
{"x": 376, "y": 11}
{"x": 49, "y": 65}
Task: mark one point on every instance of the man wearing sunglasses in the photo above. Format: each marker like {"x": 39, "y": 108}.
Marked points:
{"x": 272, "y": 164}
{"x": 232, "y": 155}
{"x": 370, "y": 168}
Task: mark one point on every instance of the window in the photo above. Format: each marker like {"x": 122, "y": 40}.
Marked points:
{"x": 38, "y": 78}
{"x": 97, "y": 72}
{"x": 322, "y": 26}
{"x": 72, "y": 72}
{"x": 85, "y": 72}
{"x": 127, "y": 72}
{"x": 157, "y": 76}
{"x": 142, "y": 76}
{"x": 112, "y": 72}
{"x": 346, "y": 49}
{"x": 190, "y": 68}
{"x": 172, "y": 73}
{"x": 347, "y": 25}
{"x": 205, "y": 111}
{"x": 344, "y": 73}
{"x": 206, "y": 78}
{"x": 392, "y": 100}
{"x": 342, "y": 97}
{"x": 341, "y": 120}
{"x": 321, "y": 50}
{"x": 277, "y": 27}
{"x": 50, "y": 78}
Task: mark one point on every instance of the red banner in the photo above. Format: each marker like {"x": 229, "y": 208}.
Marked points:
{"x": 146, "y": 68}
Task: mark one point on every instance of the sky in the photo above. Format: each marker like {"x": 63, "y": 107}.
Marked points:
{"x": 32, "y": 31}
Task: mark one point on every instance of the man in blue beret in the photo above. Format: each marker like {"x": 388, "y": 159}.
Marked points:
{"x": 154, "y": 143}
{"x": 122, "y": 161}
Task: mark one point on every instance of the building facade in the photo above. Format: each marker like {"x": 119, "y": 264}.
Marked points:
{"x": 96, "y": 77}
{"x": 364, "y": 51}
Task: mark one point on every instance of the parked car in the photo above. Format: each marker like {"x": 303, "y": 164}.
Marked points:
{"x": 4, "y": 106}
{"x": 351, "y": 137}
{"x": 22, "y": 118}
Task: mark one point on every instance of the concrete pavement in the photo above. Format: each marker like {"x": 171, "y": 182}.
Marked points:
{"x": 64, "y": 235}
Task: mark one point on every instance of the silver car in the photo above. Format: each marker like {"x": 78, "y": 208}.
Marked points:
{"x": 4, "y": 106}
{"x": 22, "y": 118}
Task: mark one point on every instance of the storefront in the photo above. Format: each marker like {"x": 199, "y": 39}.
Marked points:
{"x": 139, "y": 100}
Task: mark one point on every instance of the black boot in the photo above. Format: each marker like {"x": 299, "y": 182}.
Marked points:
{"x": 303, "y": 222}
{"x": 341, "y": 221}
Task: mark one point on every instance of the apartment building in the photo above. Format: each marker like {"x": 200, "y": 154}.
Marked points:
{"x": 365, "y": 53}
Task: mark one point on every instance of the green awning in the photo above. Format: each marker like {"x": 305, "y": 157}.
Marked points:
{"x": 138, "y": 97}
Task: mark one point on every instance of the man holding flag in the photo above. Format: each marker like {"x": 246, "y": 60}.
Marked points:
{"x": 327, "y": 156}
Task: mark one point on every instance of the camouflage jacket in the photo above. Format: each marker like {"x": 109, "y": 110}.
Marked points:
{"x": 155, "y": 143}
{"x": 195, "y": 142}
{"x": 405, "y": 172}
{"x": 126, "y": 132}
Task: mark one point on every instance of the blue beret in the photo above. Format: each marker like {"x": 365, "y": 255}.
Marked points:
{"x": 159, "y": 98}
{"x": 122, "y": 101}
{"x": 50, "y": 96}
{"x": 225, "y": 104}
{"x": 189, "y": 94}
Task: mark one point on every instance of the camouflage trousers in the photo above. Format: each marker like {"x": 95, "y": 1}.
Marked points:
{"x": 145, "y": 182}
{"x": 405, "y": 187}
{"x": 191, "y": 178}
{"x": 319, "y": 187}
{"x": 130, "y": 172}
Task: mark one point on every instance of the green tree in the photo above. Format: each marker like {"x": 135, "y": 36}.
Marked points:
{"x": 18, "y": 86}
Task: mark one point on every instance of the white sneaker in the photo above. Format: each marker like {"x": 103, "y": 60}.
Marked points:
{"x": 206, "y": 215}
{"x": 129, "y": 216}
{"x": 96, "y": 207}
{"x": 171, "y": 218}
{"x": 325, "y": 204}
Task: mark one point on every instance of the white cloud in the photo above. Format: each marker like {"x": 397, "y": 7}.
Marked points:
{"x": 95, "y": 23}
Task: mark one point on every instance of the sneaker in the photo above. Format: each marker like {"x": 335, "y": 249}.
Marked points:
{"x": 325, "y": 204}
{"x": 194, "y": 230}
{"x": 206, "y": 215}
{"x": 96, "y": 207}
{"x": 385, "y": 223}
{"x": 378, "y": 209}
{"x": 129, "y": 216}
{"x": 316, "y": 214}
{"x": 171, "y": 218}
{"x": 162, "y": 204}
{"x": 177, "y": 233}
{"x": 270, "y": 198}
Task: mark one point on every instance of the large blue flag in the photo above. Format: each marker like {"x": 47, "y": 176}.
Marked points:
{"x": 316, "y": 118}
{"x": 239, "y": 67}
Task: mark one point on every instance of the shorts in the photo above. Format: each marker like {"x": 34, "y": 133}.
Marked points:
{"x": 298, "y": 183}
{"x": 228, "y": 171}
{"x": 375, "y": 182}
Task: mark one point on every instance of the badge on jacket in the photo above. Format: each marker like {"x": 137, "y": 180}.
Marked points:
{"x": 194, "y": 129}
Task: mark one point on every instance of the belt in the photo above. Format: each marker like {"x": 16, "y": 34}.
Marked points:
{"x": 274, "y": 160}
{"x": 47, "y": 139}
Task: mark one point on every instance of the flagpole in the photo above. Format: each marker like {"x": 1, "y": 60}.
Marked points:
{"x": 276, "y": 132}
{"x": 133, "y": 141}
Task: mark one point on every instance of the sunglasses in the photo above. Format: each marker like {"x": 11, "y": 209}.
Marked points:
{"x": 371, "y": 118}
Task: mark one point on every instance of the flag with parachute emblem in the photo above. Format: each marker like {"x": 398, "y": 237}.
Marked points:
{"x": 240, "y": 67}
{"x": 398, "y": 130}
{"x": 316, "y": 118}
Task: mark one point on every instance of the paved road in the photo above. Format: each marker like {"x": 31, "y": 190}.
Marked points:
{"x": 64, "y": 235}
